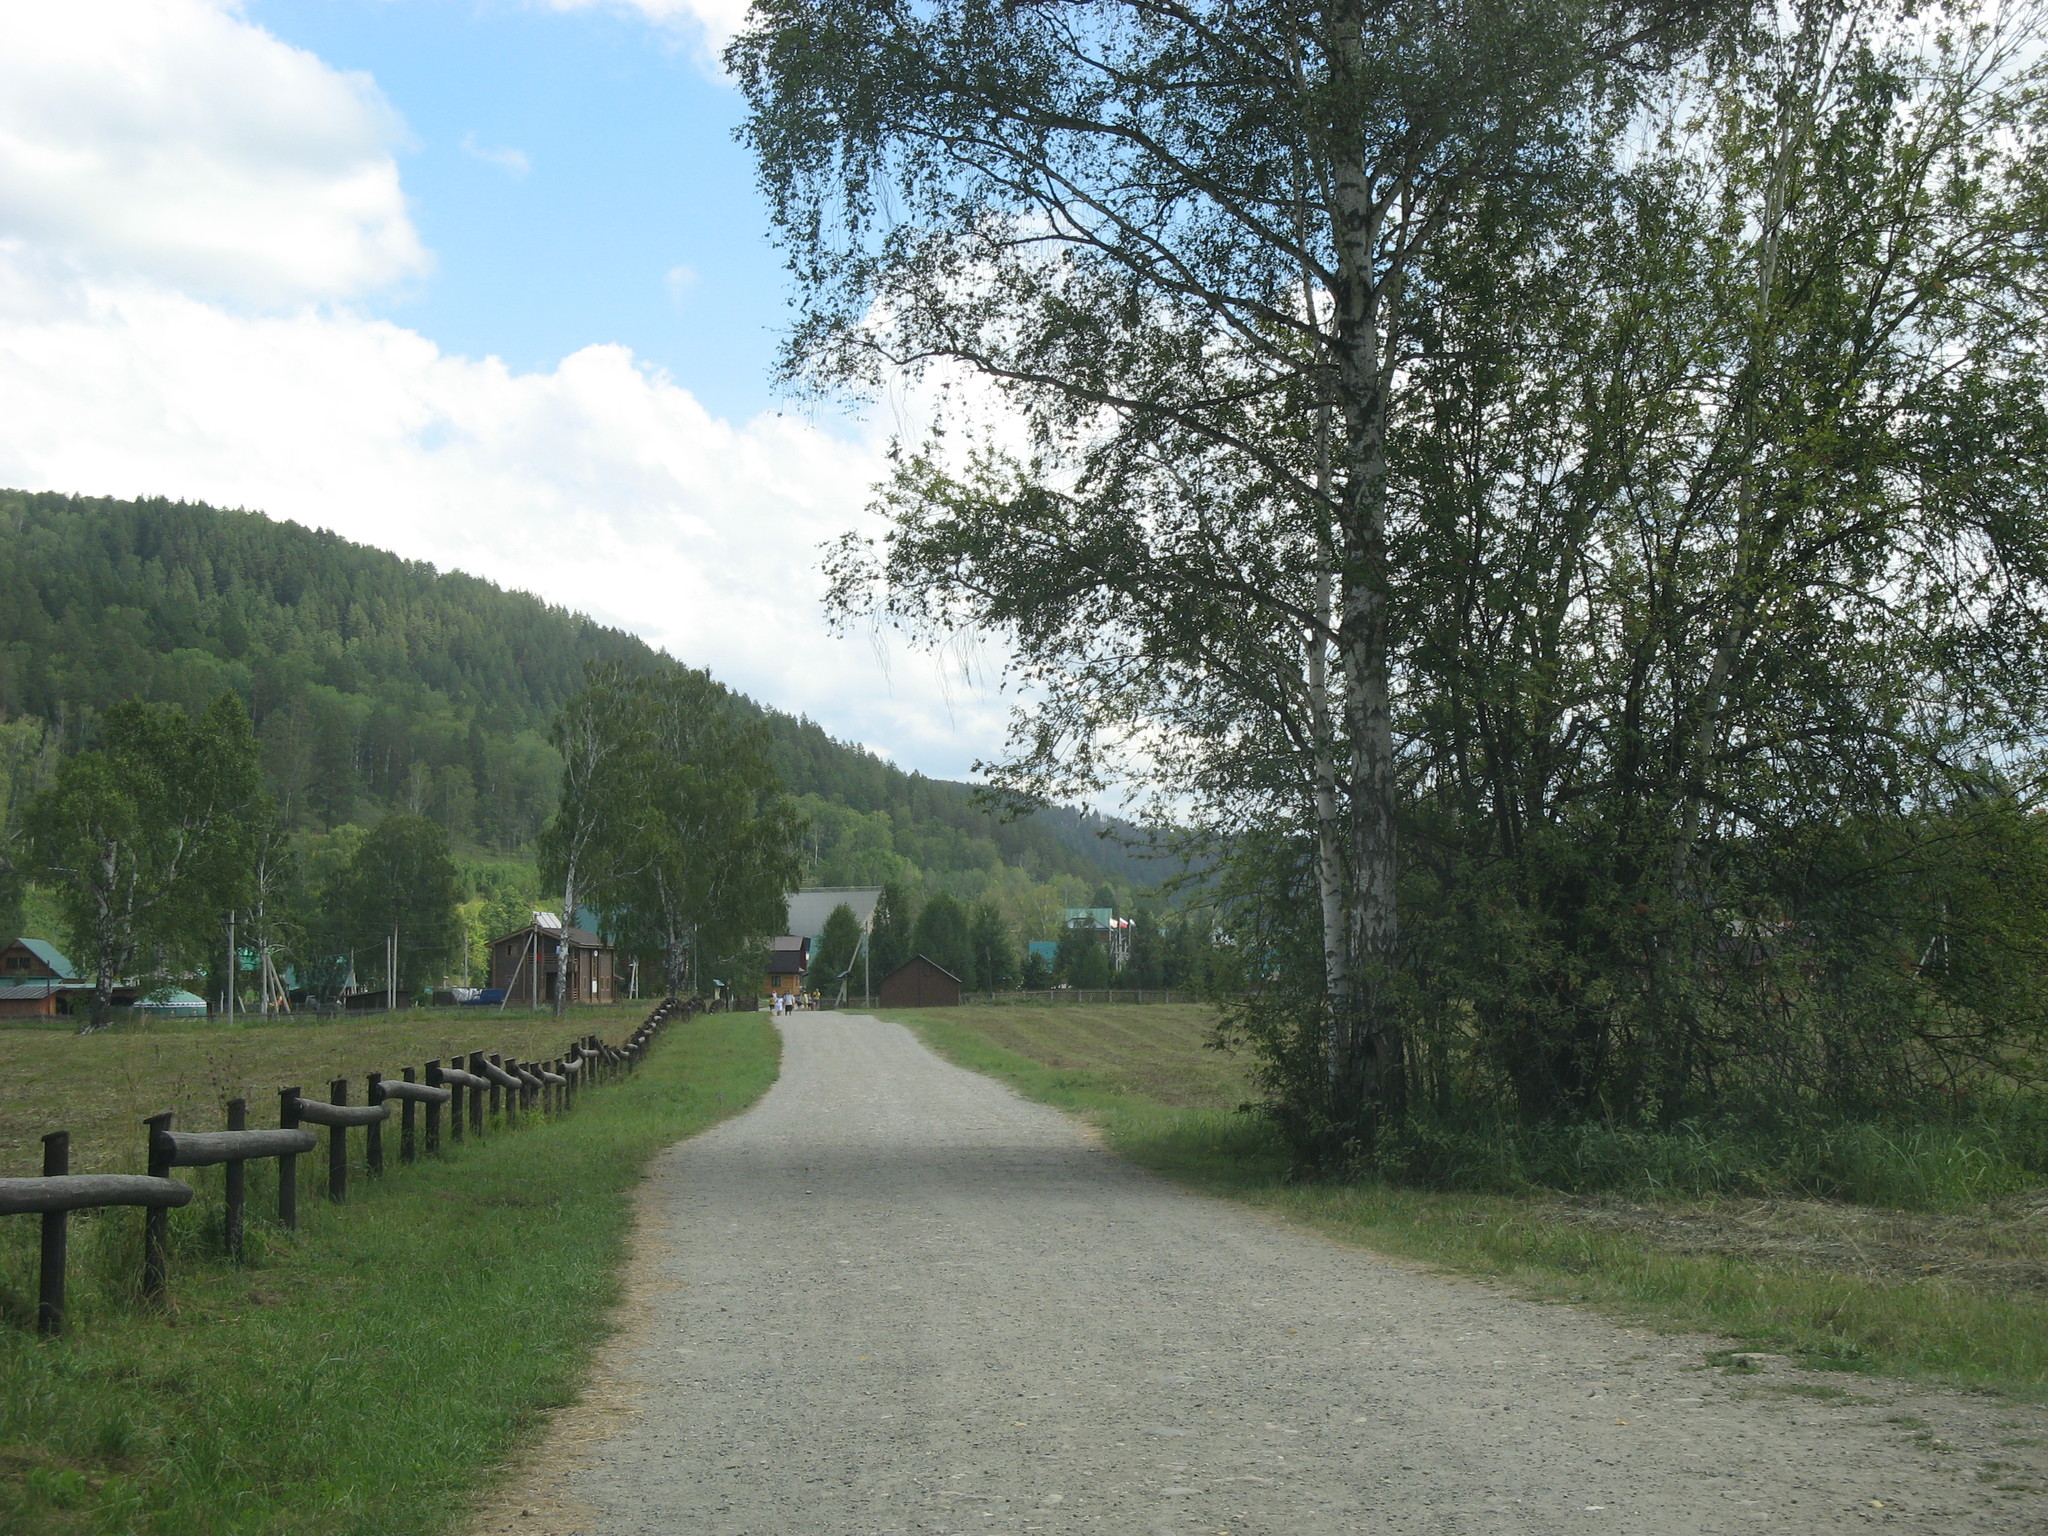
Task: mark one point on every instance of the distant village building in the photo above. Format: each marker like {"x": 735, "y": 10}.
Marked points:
{"x": 810, "y": 909}
{"x": 1111, "y": 931}
{"x": 36, "y": 981}
{"x": 524, "y": 963}
{"x": 919, "y": 982}
{"x": 789, "y": 962}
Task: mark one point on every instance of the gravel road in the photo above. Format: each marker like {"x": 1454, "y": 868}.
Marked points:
{"x": 895, "y": 1297}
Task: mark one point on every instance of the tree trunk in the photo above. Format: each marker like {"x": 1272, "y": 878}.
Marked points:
{"x": 1366, "y": 1076}
{"x": 562, "y": 939}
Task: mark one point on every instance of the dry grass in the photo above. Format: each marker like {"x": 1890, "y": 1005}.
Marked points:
{"x": 102, "y": 1087}
{"x": 1954, "y": 1296}
{"x": 1158, "y": 1050}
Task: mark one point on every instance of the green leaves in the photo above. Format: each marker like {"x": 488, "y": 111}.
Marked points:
{"x": 146, "y": 838}
{"x": 673, "y": 821}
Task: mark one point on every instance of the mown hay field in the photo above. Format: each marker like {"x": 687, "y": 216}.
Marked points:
{"x": 101, "y": 1087}
{"x": 1959, "y": 1296}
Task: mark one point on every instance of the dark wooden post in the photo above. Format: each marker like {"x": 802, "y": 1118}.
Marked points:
{"x": 497, "y": 1093}
{"x": 373, "y": 1133}
{"x": 156, "y": 1219}
{"x": 408, "y": 1141}
{"x": 50, "y": 1289}
{"x": 237, "y": 1183}
{"x": 434, "y": 1110}
{"x": 476, "y": 1096}
{"x": 288, "y": 1165}
{"x": 337, "y": 1145}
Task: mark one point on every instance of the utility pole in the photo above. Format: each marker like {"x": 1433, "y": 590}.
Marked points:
{"x": 232, "y": 961}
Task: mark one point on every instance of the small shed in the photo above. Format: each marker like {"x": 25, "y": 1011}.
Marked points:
{"x": 35, "y": 979}
{"x": 789, "y": 962}
{"x": 919, "y": 982}
{"x": 524, "y": 963}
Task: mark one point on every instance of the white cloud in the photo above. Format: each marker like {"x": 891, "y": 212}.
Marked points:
{"x": 679, "y": 280}
{"x": 183, "y": 199}
{"x": 171, "y": 139}
{"x": 599, "y": 484}
{"x": 512, "y": 162}
{"x": 712, "y": 23}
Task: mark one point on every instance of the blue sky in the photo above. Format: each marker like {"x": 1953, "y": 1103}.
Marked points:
{"x": 635, "y": 219}
{"x": 485, "y": 283}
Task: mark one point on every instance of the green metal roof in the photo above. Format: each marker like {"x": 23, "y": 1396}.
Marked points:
{"x": 49, "y": 954}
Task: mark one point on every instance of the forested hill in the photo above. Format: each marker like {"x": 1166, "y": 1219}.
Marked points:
{"x": 378, "y": 682}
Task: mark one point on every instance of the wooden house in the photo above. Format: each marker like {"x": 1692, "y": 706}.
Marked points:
{"x": 919, "y": 982}
{"x": 524, "y": 963}
{"x": 36, "y": 981}
{"x": 789, "y": 962}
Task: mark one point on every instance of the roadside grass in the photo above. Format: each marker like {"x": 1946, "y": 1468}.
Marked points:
{"x": 362, "y": 1376}
{"x": 101, "y": 1087}
{"x": 1828, "y": 1316}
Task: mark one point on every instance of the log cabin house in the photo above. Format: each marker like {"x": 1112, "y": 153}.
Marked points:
{"x": 523, "y": 963}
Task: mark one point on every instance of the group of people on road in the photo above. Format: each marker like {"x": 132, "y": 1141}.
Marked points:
{"x": 789, "y": 1002}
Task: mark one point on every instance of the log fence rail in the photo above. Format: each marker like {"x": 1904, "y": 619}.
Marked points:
{"x": 512, "y": 1088}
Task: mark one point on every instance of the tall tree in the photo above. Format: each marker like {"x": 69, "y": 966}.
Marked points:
{"x": 837, "y": 946}
{"x": 1179, "y": 243}
{"x": 704, "y": 843}
{"x": 584, "y": 846}
{"x": 400, "y": 882}
{"x": 943, "y": 935}
{"x": 995, "y": 953}
{"x": 143, "y": 840}
{"x": 891, "y": 932}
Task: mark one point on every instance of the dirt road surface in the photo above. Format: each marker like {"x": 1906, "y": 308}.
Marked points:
{"x": 896, "y": 1298}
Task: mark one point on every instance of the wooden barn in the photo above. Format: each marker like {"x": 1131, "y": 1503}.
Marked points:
{"x": 523, "y": 963}
{"x": 919, "y": 982}
{"x": 36, "y": 981}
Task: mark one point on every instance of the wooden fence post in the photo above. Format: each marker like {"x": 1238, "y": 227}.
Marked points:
{"x": 50, "y": 1279}
{"x": 373, "y": 1133}
{"x": 288, "y": 1165}
{"x": 476, "y": 1096}
{"x": 408, "y": 1143}
{"x": 237, "y": 1184}
{"x": 454, "y": 1098}
{"x": 337, "y": 1146}
{"x": 434, "y": 1110}
{"x": 156, "y": 1219}
{"x": 511, "y": 1094}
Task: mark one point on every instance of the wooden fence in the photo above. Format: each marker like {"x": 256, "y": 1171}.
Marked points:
{"x": 429, "y": 1102}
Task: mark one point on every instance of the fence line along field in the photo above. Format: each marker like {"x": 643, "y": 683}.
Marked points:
{"x": 101, "y": 1087}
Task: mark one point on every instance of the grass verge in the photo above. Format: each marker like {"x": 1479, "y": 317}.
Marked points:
{"x": 362, "y": 1375}
{"x": 101, "y": 1087}
{"x": 1930, "y": 1328}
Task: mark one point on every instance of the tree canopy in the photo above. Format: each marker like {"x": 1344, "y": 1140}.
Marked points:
{"x": 1553, "y": 492}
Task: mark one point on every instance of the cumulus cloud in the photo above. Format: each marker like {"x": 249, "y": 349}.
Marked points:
{"x": 172, "y": 140}
{"x": 186, "y": 202}
{"x": 599, "y": 484}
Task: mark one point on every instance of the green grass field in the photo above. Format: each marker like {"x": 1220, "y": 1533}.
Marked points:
{"x": 102, "y": 1087}
{"x": 1165, "y": 1100}
{"x": 363, "y": 1376}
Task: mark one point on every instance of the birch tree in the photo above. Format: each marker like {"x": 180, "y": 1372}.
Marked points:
{"x": 1181, "y": 243}
{"x": 142, "y": 839}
